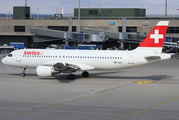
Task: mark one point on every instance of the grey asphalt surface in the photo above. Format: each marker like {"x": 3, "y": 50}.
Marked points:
{"x": 105, "y": 95}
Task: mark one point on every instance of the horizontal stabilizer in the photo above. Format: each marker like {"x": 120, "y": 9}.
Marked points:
{"x": 152, "y": 57}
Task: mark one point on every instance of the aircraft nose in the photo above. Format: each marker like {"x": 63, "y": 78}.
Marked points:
{"x": 4, "y": 61}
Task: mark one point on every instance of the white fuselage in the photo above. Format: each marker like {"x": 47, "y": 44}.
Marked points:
{"x": 99, "y": 59}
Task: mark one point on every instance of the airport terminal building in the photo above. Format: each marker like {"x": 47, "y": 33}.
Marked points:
{"x": 107, "y": 23}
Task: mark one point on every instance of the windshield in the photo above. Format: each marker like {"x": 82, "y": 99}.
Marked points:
{"x": 10, "y": 55}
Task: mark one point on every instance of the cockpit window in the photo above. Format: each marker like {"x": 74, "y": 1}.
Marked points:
{"x": 10, "y": 55}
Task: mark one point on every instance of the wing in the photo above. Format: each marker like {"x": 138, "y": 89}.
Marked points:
{"x": 69, "y": 67}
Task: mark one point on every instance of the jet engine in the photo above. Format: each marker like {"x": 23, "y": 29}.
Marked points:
{"x": 46, "y": 71}
{"x": 178, "y": 43}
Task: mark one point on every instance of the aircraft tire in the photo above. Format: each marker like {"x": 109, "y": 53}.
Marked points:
{"x": 85, "y": 74}
{"x": 23, "y": 74}
{"x": 71, "y": 77}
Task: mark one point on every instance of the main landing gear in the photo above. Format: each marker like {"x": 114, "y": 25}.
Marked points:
{"x": 72, "y": 76}
{"x": 85, "y": 74}
{"x": 23, "y": 73}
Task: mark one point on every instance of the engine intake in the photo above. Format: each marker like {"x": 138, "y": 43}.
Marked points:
{"x": 46, "y": 71}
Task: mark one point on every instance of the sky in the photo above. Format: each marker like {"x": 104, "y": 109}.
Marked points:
{"x": 53, "y": 6}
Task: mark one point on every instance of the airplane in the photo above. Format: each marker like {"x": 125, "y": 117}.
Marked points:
{"x": 51, "y": 62}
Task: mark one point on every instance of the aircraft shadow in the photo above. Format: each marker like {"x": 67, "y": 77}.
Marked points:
{"x": 154, "y": 77}
{"x": 62, "y": 78}
{"x": 27, "y": 74}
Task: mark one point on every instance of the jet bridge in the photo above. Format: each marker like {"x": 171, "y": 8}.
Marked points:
{"x": 92, "y": 35}
{"x": 88, "y": 35}
{"x": 111, "y": 35}
{"x": 44, "y": 35}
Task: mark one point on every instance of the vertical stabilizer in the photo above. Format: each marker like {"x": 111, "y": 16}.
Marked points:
{"x": 155, "y": 40}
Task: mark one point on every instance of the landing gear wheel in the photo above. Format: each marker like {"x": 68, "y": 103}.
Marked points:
{"x": 23, "y": 74}
{"x": 85, "y": 74}
{"x": 71, "y": 77}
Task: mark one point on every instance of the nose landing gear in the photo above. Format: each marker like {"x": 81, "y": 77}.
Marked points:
{"x": 23, "y": 73}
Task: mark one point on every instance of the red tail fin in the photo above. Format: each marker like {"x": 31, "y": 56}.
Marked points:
{"x": 156, "y": 37}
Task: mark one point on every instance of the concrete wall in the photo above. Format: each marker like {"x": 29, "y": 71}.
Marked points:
{"x": 7, "y": 26}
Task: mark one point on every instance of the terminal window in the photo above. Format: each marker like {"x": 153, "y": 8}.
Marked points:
{"x": 19, "y": 28}
{"x": 131, "y": 29}
{"x": 173, "y": 30}
{"x": 93, "y": 12}
{"x": 128, "y": 29}
{"x": 62, "y": 28}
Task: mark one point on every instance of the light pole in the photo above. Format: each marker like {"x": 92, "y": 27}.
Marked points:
{"x": 147, "y": 11}
{"x": 37, "y": 13}
{"x": 165, "y": 9}
{"x": 79, "y": 17}
{"x": 173, "y": 12}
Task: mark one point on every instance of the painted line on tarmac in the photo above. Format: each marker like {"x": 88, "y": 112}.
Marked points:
{"x": 54, "y": 105}
{"x": 81, "y": 98}
{"x": 144, "y": 82}
{"x": 125, "y": 87}
{"x": 110, "y": 90}
{"x": 148, "y": 108}
{"x": 105, "y": 92}
{"x": 21, "y": 113}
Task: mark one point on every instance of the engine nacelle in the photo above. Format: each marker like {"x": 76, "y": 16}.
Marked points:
{"x": 46, "y": 71}
{"x": 178, "y": 43}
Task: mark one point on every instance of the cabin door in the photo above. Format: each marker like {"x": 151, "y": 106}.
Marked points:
{"x": 131, "y": 58}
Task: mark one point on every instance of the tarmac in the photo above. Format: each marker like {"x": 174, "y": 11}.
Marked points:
{"x": 148, "y": 92}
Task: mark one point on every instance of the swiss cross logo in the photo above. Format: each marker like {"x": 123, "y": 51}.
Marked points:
{"x": 156, "y": 36}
